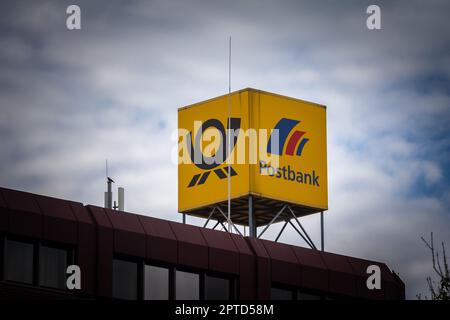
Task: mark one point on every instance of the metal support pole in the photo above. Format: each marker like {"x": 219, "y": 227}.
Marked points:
{"x": 303, "y": 229}
{"x": 214, "y": 228}
{"x": 274, "y": 218}
{"x": 322, "y": 235}
{"x": 110, "y": 198}
{"x": 184, "y": 218}
{"x": 251, "y": 218}
{"x": 209, "y": 217}
{"x": 223, "y": 226}
{"x": 301, "y": 235}
{"x": 230, "y": 225}
{"x": 229, "y": 141}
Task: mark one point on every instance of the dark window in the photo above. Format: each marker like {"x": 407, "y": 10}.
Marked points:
{"x": 156, "y": 283}
{"x": 52, "y": 267}
{"x": 125, "y": 275}
{"x": 281, "y": 294}
{"x": 307, "y": 296}
{"x": 2, "y": 257}
{"x": 187, "y": 286}
{"x": 217, "y": 288}
{"x": 19, "y": 261}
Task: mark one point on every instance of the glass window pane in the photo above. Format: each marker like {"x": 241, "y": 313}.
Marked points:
{"x": 125, "y": 280}
{"x": 187, "y": 286}
{"x": 52, "y": 267}
{"x": 217, "y": 288}
{"x": 19, "y": 261}
{"x": 156, "y": 283}
{"x": 280, "y": 294}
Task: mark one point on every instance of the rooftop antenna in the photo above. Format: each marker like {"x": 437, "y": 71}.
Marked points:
{"x": 108, "y": 194}
{"x": 229, "y": 136}
{"x": 121, "y": 198}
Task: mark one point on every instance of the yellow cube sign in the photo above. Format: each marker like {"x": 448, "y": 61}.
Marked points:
{"x": 272, "y": 147}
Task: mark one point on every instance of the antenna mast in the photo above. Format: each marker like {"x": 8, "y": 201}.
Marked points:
{"x": 229, "y": 136}
{"x": 108, "y": 193}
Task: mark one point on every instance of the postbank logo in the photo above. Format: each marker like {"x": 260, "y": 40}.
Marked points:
{"x": 295, "y": 142}
{"x": 283, "y": 129}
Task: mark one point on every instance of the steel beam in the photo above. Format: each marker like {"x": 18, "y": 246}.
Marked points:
{"x": 303, "y": 229}
{"x": 322, "y": 233}
{"x": 274, "y": 218}
{"x": 251, "y": 218}
{"x": 281, "y": 231}
{"x": 301, "y": 235}
{"x": 209, "y": 217}
{"x": 231, "y": 223}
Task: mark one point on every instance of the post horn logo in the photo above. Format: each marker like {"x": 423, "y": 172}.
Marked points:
{"x": 211, "y": 163}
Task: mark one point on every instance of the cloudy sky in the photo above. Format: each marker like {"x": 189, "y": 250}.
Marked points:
{"x": 71, "y": 99}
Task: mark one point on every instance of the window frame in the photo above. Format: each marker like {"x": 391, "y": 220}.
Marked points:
{"x": 172, "y": 269}
{"x": 192, "y": 271}
{"x": 311, "y": 292}
{"x": 2, "y": 255}
{"x": 139, "y": 275}
{"x": 232, "y": 294}
{"x": 70, "y": 259}
{"x": 37, "y": 244}
{"x": 24, "y": 240}
{"x": 171, "y": 278}
{"x": 297, "y": 290}
{"x": 284, "y": 287}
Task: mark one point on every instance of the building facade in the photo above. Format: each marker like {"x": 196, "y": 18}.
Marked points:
{"x": 129, "y": 256}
